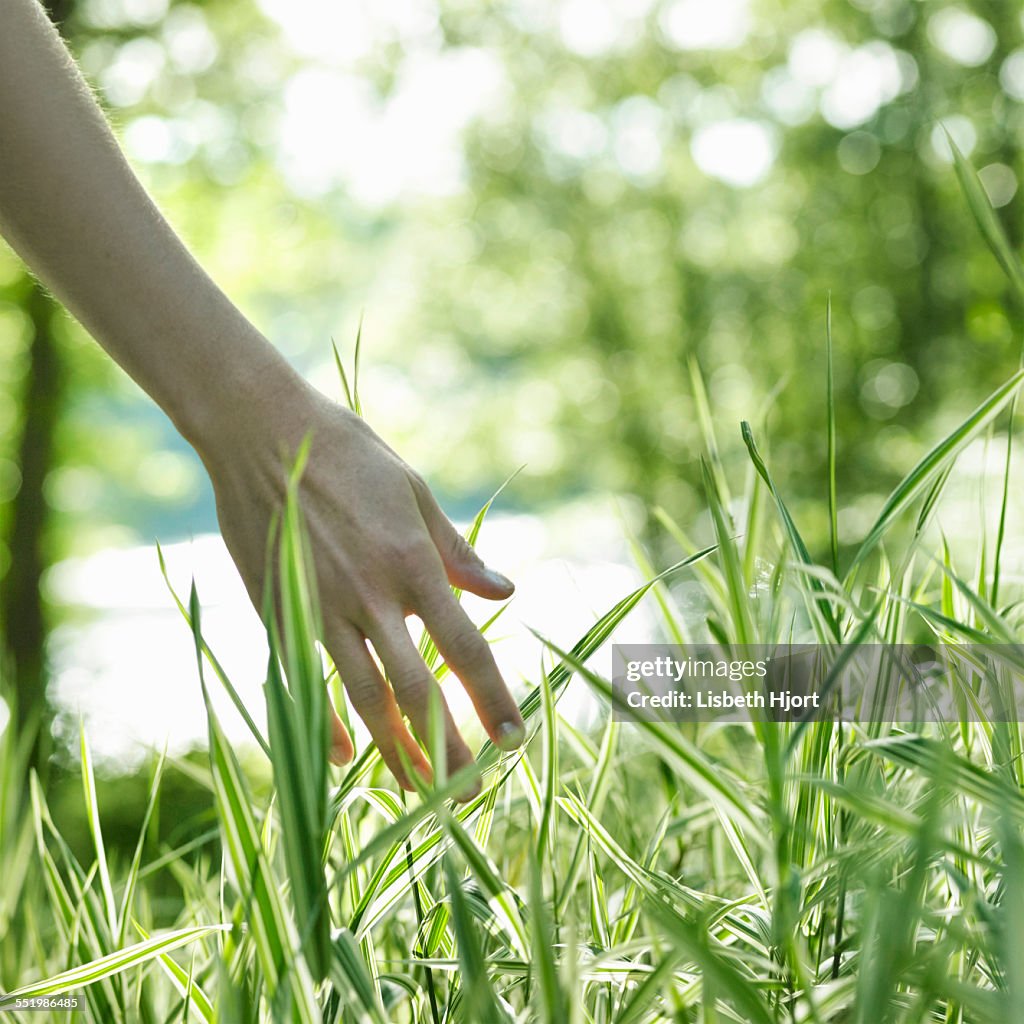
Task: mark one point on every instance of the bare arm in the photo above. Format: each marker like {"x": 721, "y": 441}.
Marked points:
{"x": 71, "y": 206}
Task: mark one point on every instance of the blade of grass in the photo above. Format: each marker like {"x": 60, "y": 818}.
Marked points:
{"x": 549, "y": 774}
{"x": 986, "y": 219}
{"x": 830, "y": 406}
{"x": 480, "y": 1001}
{"x": 736, "y": 589}
{"x": 710, "y": 780}
{"x": 350, "y": 972}
{"x": 919, "y": 478}
{"x": 96, "y": 831}
{"x": 548, "y": 993}
{"x": 133, "y": 870}
{"x": 819, "y": 606}
{"x": 114, "y": 963}
{"x": 276, "y": 943}
{"x": 218, "y": 670}
{"x": 590, "y": 642}
{"x": 707, "y": 430}
{"x": 183, "y": 982}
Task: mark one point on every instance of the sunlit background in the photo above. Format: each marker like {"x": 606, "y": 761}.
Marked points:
{"x": 543, "y": 210}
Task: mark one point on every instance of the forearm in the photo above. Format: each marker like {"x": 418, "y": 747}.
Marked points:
{"x": 72, "y": 208}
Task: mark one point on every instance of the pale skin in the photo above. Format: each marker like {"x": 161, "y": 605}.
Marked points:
{"x": 73, "y": 209}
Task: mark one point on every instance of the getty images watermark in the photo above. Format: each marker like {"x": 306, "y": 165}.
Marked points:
{"x": 812, "y": 682}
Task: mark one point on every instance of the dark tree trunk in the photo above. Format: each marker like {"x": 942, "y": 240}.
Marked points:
{"x": 21, "y": 601}
{"x": 23, "y": 616}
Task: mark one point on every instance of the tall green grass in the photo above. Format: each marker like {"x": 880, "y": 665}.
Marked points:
{"x": 766, "y": 873}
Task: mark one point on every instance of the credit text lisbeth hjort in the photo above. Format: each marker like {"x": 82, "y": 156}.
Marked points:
{"x": 678, "y": 670}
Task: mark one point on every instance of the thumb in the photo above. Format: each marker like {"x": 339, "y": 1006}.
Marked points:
{"x": 465, "y": 568}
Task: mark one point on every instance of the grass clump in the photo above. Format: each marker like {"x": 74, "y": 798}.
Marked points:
{"x": 758, "y": 873}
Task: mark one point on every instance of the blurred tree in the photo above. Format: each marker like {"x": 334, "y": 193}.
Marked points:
{"x": 22, "y": 611}
{"x": 668, "y": 179}
{"x": 642, "y": 181}
{"x": 23, "y": 616}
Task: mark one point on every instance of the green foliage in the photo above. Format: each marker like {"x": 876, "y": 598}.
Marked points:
{"x": 558, "y": 260}
{"x": 760, "y": 873}
{"x": 819, "y": 872}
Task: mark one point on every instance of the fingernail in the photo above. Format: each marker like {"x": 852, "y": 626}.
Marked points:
{"x": 510, "y": 736}
{"x": 498, "y": 580}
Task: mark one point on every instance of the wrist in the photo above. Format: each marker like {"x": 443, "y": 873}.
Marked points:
{"x": 255, "y": 400}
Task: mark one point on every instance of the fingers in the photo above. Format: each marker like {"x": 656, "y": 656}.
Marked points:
{"x": 459, "y": 641}
{"x": 418, "y": 694}
{"x": 374, "y": 702}
{"x": 469, "y": 656}
{"x": 465, "y": 568}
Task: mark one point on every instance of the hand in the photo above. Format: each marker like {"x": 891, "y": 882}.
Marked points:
{"x": 383, "y": 550}
{"x": 71, "y": 207}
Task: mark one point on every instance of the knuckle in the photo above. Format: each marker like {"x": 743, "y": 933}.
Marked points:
{"x": 467, "y": 646}
{"x": 413, "y": 557}
{"x": 371, "y": 605}
{"x": 423, "y": 583}
{"x": 366, "y": 600}
{"x": 411, "y": 686}
{"x": 418, "y": 484}
{"x": 462, "y": 549}
{"x": 368, "y": 698}
{"x": 371, "y": 610}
